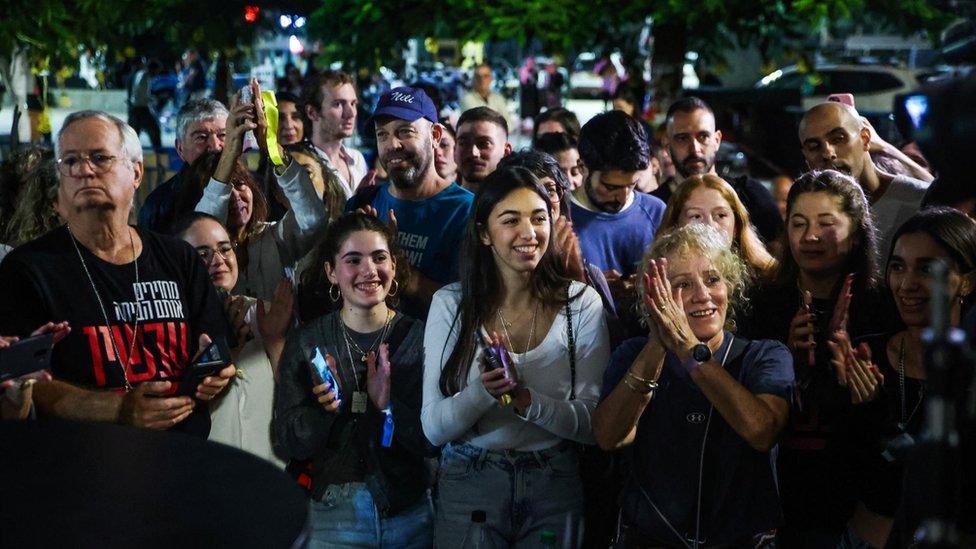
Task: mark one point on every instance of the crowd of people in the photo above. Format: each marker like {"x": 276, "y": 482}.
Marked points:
{"x": 596, "y": 340}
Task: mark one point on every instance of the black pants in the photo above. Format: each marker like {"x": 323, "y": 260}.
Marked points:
{"x": 143, "y": 120}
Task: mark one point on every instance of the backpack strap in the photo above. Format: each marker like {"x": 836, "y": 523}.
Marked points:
{"x": 571, "y": 336}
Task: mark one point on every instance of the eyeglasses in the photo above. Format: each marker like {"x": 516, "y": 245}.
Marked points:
{"x": 70, "y": 164}
{"x": 225, "y": 251}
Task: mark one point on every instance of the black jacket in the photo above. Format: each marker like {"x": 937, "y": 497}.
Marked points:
{"x": 345, "y": 447}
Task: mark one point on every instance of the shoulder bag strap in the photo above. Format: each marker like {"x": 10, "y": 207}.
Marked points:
{"x": 572, "y": 347}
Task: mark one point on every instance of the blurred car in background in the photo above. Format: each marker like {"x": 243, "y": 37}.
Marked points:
{"x": 874, "y": 86}
{"x": 583, "y": 80}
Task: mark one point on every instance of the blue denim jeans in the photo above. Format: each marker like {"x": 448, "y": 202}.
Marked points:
{"x": 522, "y": 493}
{"x": 347, "y": 517}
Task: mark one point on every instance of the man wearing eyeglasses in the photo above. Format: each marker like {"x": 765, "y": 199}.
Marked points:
{"x": 200, "y": 128}
{"x": 139, "y": 305}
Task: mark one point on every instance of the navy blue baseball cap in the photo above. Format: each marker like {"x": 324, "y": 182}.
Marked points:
{"x": 406, "y": 103}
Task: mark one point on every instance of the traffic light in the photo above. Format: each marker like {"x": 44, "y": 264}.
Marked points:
{"x": 251, "y": 13}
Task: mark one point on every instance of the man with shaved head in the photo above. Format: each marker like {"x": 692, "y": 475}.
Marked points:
{"x": 833, "y": 136}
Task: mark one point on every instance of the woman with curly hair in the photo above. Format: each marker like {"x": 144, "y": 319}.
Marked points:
{"x": 702, "y": 446}
{"x": 28, "y": 208}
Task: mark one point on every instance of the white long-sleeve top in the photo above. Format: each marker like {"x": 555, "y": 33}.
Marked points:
{"x": 474, "y": 416}
{"x": 279, "y": 244}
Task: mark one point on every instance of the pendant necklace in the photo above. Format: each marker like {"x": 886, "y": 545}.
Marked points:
{"x": 363, "y": 353}
{"x": 101, "y": 306}
{"x": 506, "y": 324}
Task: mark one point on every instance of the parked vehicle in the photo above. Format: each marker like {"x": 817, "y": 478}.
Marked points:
{"x": 874, "y": 86}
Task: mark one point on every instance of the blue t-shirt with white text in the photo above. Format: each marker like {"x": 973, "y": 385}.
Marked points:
{"x": 429, "y": 232}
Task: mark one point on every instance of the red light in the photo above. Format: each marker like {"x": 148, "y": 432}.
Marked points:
{"x": 251, "y": 13}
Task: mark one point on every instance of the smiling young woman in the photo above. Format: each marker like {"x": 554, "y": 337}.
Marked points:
{"x": 514, "y": 353}
{"x": 363, "y": 437}
{"x": 885, "y": 373}
{"x": 829, "y": 237}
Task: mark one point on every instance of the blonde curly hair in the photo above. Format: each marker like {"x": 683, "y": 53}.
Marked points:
{"x": 682, "y": 242}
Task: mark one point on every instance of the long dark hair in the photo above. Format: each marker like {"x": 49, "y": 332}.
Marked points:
{"x": 862, "y": 259}
{"x": 313, "y": 279}
{"x": 542, "y": 164}
{"x": 481, "y": 287}
{"x": 951, "y": 229}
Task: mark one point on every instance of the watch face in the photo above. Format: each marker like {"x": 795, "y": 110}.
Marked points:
{"x": 701, "y": 352}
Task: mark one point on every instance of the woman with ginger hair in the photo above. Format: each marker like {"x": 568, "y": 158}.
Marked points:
{"x": 711, "y": 200}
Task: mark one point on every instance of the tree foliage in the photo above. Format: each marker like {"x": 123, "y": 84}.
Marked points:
{"x": 367, "y": 32}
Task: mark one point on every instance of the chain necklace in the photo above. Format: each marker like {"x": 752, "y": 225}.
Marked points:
{"x": 901, "y": 387}
{"x": 101, "y": 306}
{"x": 350, "y": 342}
{"x": 505, "y": 324}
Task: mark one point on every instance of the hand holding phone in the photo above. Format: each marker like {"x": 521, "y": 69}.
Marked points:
{"x": 499, "y": 375}
{"x": 325, "y": 386}
{"x": 26, "y": 356}
{"x": 211, "y": 361}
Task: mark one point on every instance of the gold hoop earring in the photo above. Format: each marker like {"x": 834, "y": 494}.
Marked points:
{"x": 334, "y": 297}
{"x": 393, "y": 289}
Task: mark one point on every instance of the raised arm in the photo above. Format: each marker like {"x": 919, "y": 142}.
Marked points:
{"x": 306, "y": 217}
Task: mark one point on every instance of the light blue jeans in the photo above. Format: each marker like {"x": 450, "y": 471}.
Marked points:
{"x": 348, "y": 517}
{"x": 522, "y": 493}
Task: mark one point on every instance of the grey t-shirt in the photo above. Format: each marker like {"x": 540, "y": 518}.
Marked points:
{"x": 900, "y": 201}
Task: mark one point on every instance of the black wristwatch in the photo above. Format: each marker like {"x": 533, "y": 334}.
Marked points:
{"x": 701, "y": 353}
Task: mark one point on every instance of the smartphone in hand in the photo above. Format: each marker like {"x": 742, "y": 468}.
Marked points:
{"x": 26, "y": 357}
{"x": 211, "y": 361}
{"x": 321, "y": 373}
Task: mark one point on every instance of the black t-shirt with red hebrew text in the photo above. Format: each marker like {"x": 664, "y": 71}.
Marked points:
{"x": 44, "y": 280}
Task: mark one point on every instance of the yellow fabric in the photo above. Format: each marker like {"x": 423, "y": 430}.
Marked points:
{"x": 271, "y": 115}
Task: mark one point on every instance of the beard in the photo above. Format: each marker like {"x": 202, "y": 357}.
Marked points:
{"x": 612, "y": 206}
{"x": 410, "y": 175}
{"x": 688, "y": 168}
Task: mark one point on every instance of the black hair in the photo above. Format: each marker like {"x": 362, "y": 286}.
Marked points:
{"x": 540, "y": 163}
{"x": 314, "y": 279}
{"x": 565, "y": 117}
{"x": 628, "y": 94}
{"x": 183, "y": 223}
{"x": 614, "y": 141}
{"x": 862, "y": 259}
{"x": 481, "y": 286}
{"x": 553, "y": 142}
{"x": 483, "y": 114}
{"x": 449, "y": 129}
{"x": 290, "y": 97}
{"x": 687, "y": 105}
{"x": 953, "y": 231}
{"x": 947, "y": 192}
